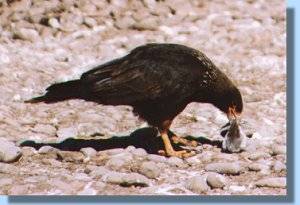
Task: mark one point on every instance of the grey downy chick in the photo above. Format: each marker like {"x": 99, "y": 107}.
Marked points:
{"x": 234, "y": 136}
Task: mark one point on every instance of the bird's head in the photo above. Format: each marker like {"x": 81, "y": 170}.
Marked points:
{"x": 230, "y": 102}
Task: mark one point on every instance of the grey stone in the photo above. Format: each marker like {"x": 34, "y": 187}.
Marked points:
{"x": 278, "y": 149}
{"x": 150, "y": 169}
{"x": 224, "y": 168}
{"x": 274, "y": 182}
{"x": 258, "y": 155}
{"x": 54, "y": 23}
{"x": 215, "y": 180}
{"x": 175, "y": 161}
{"x": 115, "y": 151}
{"x": 7, "y": 168}
{"x": 156, "y": 158}
{"x": 257, "y": 167}
{"x": 26, "y": 34}
{"x": 197, "y": 185}
{"x": 69, "y": 156}
{"x": 64, "y": 133}
{"x": 9, "y": 152}
{"x": 45, "y": 129}
{"x": 47, "y": 150}
{"x": 278, "y": 166}
{"x": 132, "y": 179}
{"x": 88, "y": 152}
{"x": 98, "y": 172}
{"x": 139, "y": 152}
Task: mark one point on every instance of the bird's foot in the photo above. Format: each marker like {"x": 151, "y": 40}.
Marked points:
{"x": 181, "y": 140}
{"x": 180, "y": 154}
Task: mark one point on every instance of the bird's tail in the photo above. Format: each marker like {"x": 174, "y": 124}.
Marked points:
{"x": 59, "y": 92}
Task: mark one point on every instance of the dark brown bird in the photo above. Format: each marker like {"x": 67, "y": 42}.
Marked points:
{"x": 158, "y": 81}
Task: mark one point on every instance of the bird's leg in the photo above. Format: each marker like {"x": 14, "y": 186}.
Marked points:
{"x": 169, "y": 151}
{"x": 180, "y": 140}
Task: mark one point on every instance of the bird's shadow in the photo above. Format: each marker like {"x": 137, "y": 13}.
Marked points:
{"x": 146, "y": 138}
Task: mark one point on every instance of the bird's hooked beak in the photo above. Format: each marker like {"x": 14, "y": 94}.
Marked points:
{"x": 232, "y": 114}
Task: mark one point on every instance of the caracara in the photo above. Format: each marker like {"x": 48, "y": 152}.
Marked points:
{"x": 158, "y": 81}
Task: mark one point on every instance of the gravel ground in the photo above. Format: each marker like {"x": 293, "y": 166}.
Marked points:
{"x": 42, "y": 42}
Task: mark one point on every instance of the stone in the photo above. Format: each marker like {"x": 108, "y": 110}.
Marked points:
{"x": 45, "y": 129}
{"x": 258, "y": 155}
{"x": 9, "y": 152}
{"x": 115, "y": 163}
{"x": 278, "y": 149}
{"x": 26, "y": 34}
{"x": 90, "y": 22}
{"x": 237, "y": 189}
{"x": 132, "y": 179}
{"x": 7, "y": 168}
{"x": 64, "y": 133}
{"x": 278, "y": 166}
{"x": 123, "y": 23}
{"x": 69, "y": 156}
{"x": 115, "y": 151}
{"x": 54, "y": 23}
{"x": 146, "y": 24}
{"x": 98, "y": 172}
{"x": 175, "y": 161}
{"x": 47, "y": 150}
{"x": 150, "y": 170}
{"x": 215, "y": 180}
{"x": 157, "y": 158}
{"x": 88, "y": 152}
{"x": 274, "y": 182}
{"x": 5, "y": 181}
{"x": 257, "y": 167}
{"x": 197, "y": 185}
{"x": 139, "y": 152}
{"x": 224, "y": 168}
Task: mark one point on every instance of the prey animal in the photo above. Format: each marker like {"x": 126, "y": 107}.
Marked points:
{"x": 158, "y": 81}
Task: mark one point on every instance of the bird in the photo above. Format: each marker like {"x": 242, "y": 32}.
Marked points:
{"x": 158, "y": 80}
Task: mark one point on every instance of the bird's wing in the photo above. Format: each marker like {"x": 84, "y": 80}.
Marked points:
{"x": 128, "y": 81}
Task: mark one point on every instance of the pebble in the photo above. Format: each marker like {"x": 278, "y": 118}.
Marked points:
{"x": 278, "y": 166}
{"x": 47, "y": 150}
{"x": 123, "y": 179}
{"x": 146, "y": 24}
{"x": 26, "y": 34}
{"x": 5, "y": 181}
{"x": 45, "y": 129}
{"x": 224, "y": 168}
{"x": 257, "y": 167}
{"x": 278, "y": 149}
{"x": 237, "y": 189}
{"x": 98, "y": 172}
{"x": 139, "y": 152}
{"x": 215, "y": 180}
{"x": 7, "y": 168}
{"x": 156, "y": 158}
{"x": 88, "y": 152}
{"x": 9, "y": 152}
{"x": 69, "y": 156}
{"x": 258, "y": 155}
{"x": 150, "y": 170}
{"x": 64, "y": 133}
{"x": 275, "y": 182}
{"x": 115, "y": 163}
{"x": 197, "y": 185}
{"x": 53, "y": 22}
{"x": 115, "y": 151}
{"x": 177, "y": 162}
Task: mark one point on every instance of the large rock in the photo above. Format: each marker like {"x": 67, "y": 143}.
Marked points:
{"x": 150, "y": 170}
{"x": 224, "y": 168}
{"x": 197, "y": 184}
{"x": 123, "y": 179}
{"x": 9, "y": 152}
{"x": 215, "y": 180}
{"x": 273, "y": 182}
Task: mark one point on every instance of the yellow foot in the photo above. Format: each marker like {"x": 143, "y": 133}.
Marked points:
{"x": 181, "y": 154}
{"x": 181, "y": 140}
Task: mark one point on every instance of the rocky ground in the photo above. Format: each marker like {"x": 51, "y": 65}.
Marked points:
{"x": 42, "y": 42}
